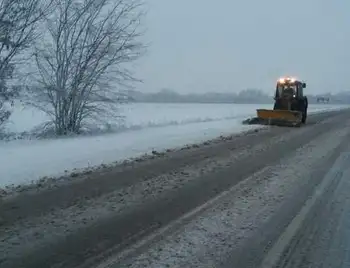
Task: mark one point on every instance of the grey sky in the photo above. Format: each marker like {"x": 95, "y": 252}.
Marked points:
{"x": 229, "y": 45}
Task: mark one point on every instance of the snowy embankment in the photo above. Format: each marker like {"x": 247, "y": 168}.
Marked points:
{"x": 145, "y": 127}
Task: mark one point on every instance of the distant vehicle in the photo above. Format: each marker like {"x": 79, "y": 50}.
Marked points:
{"x": 323, "y": 100}
{"x": 290, "y": 107}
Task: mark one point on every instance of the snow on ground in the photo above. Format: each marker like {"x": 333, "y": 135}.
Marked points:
{"x": 146, "y": 127}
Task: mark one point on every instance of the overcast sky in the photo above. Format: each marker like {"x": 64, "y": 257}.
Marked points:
{"x": 229, "y": 45}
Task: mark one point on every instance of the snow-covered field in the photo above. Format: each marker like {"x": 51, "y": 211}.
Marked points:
{"x": 145, "y": 127}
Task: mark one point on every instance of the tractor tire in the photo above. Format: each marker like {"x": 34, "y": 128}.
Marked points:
{"x": 304, "y": 116}
{"x": 303, "y": 108}
{"x": 306, "y": 106}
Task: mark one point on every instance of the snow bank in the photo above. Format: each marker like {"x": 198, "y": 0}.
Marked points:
{"x": 155, "y": 127}
{"x": 23, "y": 161}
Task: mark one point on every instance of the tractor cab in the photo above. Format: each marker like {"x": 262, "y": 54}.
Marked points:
{"x": 289, "y": 88}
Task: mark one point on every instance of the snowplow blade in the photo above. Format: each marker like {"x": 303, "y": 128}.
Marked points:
{"x": 276, "y": 117}
{"x": 291, "y": 116}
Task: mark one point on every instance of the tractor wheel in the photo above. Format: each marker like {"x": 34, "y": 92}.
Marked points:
{"x": 304, "y": 116}
{"x": 303, "y": 109}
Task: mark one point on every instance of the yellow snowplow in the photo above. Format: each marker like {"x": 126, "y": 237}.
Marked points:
{"x": 290, "y": 108}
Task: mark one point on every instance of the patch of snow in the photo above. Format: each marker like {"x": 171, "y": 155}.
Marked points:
{"x": 24, "y": 161}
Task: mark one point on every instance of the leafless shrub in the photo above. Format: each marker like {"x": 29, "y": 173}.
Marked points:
{"x": 18, "y": 29}
{"x": 82, "y": 62}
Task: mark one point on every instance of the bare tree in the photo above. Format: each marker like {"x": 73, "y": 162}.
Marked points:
{"x": 18, "y": 29}
{"x": 84, "y": 59}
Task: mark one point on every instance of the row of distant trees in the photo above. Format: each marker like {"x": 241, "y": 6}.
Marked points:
{"x": 67, "y": 56}
{"x": 168, "y": 96}
{"x": 244, "y": 96}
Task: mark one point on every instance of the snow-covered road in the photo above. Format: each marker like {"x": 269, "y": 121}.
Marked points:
{"x": 145, "y": 127}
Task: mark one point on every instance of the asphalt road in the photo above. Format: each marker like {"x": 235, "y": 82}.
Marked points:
{"x": 276, "y": 197}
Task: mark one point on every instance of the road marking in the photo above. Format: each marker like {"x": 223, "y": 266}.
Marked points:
{"x": 275, "y": 253}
